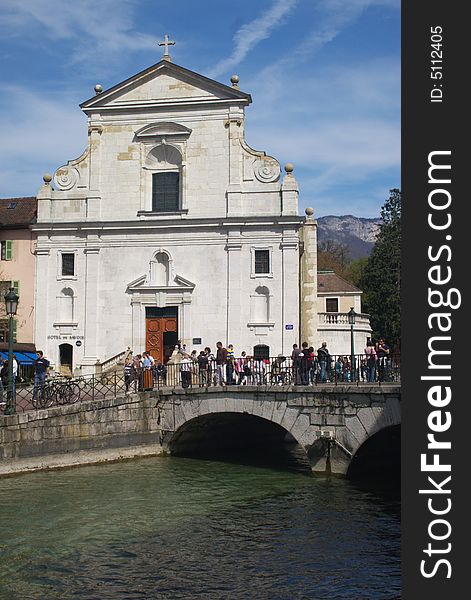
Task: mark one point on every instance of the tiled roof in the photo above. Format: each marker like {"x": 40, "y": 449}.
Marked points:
{"x": 17, "y": 212}
{"x": 329, "y": 282}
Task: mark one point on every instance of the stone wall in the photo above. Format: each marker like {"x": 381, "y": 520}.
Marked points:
{"x": 100, "y": 424}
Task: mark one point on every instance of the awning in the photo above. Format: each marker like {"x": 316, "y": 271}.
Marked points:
{"x": 23, "y": 358}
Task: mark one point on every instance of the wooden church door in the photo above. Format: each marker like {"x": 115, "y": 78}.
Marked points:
{"x": 161, "y": 337}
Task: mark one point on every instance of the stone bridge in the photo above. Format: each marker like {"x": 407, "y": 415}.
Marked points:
{"x": 337, "y": 427}
{"x": 330, "y": 423}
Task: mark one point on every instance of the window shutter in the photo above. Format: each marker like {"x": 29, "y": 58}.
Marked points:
{"x": 16, "y": 286}
{"x": 14, "y": 329}
{"x": 8, "y": 249}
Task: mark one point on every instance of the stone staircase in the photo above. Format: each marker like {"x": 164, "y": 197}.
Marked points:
{"x": 115, "y": 363}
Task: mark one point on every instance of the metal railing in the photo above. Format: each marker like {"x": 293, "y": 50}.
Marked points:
{"x": 60, "y": 390}
{"x": 279, "y": 371}
{"x": 337, "y": 318}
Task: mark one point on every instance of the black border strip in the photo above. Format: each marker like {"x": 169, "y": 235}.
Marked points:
{"x": 440, "y": 126}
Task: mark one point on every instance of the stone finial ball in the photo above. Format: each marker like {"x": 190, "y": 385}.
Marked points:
{"x": 235, "y": 79}
{"x": 289, "y": 167}
{"x": 309, "y": 211}
{"x": 47, "y": 178}
{"x": 98, "y": 88}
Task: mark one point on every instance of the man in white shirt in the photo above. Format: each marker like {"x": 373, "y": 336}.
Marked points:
{"x": 185, "y": 370}
{"x": 15, "y": 372}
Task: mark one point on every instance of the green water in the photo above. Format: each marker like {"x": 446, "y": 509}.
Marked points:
{"x": 186, "y": 528}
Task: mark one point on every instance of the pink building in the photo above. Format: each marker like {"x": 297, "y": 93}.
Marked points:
{"x": 17, "y": 268}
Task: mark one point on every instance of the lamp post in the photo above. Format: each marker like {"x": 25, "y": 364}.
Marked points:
{"x": 11, "y": 304}
{"x": 351, "y": 319}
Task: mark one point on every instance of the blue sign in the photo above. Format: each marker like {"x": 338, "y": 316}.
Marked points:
{"x": 289, "y": 326}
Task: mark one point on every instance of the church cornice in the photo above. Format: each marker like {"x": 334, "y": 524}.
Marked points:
{"x": 227, "y": 94}
{"x": 165, "y": 224}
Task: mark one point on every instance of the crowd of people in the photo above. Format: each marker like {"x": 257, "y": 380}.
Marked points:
{"x": 305, "y": 366}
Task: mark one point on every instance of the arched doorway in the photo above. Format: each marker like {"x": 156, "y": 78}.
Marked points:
{"x": 66, "y": 358}
{"x": 261, "y": 352}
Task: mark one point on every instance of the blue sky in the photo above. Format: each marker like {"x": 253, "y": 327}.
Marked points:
{"x": 324, "y": 76}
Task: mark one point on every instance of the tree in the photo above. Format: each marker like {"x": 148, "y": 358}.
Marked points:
{"x": 355, "y": 271}
{"x": 381, "y": 280}
{"x": 332, "y": 255}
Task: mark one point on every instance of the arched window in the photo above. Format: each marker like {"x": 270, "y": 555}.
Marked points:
{"x": 65, "y": 306}
{"x": 165, "y": 162}
{"x": 260, "y": 305}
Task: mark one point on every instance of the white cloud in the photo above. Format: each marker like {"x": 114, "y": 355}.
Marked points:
{"x": 345, "y": 116}
{"x": 99, "y": 30}
{"x": 334, "y": 16}
{"x": 250, "y": 34}
{"x": 340, "y": 126}
{"x": 39, "y": 134}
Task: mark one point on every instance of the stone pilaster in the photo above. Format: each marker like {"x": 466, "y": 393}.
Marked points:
{"x": 91, "y": 332}
{"x": 236, "y": 133}
{"x": 41, "y": 301}
{"x": 308, "y": 268}
{"x": 290, "y": 293}
{"x": 137, "y": 341}
{"x": 94, "y": 195}
{"x": 235, "y": 318}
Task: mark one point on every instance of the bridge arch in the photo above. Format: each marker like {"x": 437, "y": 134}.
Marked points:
{"x": 379, "y": 454}
{"x": 330, "y": 425}
{"x": 226, "y": 432}
{"x": 225, "y": 419}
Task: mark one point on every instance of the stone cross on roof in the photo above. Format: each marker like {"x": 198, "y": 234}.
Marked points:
{"x": 166, "y": 43}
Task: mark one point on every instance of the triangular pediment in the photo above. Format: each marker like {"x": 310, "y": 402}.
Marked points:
{"x": 142, "y": 284}
{"x": 164, "y": 83}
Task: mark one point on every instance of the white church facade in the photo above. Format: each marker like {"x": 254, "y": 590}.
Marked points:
{"x": 170, "y": 227}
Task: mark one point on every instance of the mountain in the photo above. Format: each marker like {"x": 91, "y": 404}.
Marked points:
{"x": 357, "y": 233}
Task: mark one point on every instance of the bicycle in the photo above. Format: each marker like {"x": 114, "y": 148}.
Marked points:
{"x": 55, "y": 392}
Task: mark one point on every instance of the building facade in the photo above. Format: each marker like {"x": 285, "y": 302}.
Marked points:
{"x": 335, "y": 298}
{"x": 168, "y": 228}
{"x": 17, "y": 268}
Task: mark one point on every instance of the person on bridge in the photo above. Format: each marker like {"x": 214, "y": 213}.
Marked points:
{"x": 305, "y": 363}
{"x": 147, "y": 375}
{"x": 221, "y": 362}
{"x": 239, "y": 364}
{"x": 323, "y": 356}
{"x": 41, "y": 365}
{"x": 185, "y": 370}
{"x": 203, "y": 367}
{"x": 230, "y": 367}
{"x": 370, "y": 352}
{"x": 296, "y": 362}
{"x": 382, "y": 352}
